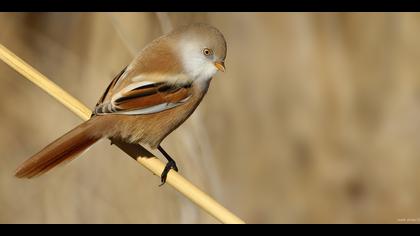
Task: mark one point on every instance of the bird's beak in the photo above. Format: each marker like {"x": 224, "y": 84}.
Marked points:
{"x": 220, "y": 65}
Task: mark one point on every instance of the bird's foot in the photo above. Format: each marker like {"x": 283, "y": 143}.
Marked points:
{"x": 170, "y": 165}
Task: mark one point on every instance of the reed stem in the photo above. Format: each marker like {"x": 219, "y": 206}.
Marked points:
{"x": 140, "y": 154}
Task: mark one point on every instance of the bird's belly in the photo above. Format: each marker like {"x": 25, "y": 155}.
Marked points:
{"x": 151, "y": 129}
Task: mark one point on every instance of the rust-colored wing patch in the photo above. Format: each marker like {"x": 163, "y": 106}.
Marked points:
{"x": 146, "y": 99}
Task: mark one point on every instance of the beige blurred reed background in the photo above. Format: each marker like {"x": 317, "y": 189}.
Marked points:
{"x": 317, "y": 120}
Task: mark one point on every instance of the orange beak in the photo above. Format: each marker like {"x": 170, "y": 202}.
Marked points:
{"x": 220, "y": 65}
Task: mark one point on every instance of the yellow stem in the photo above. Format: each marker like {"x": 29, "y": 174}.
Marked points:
{"x": 150, "y": 162}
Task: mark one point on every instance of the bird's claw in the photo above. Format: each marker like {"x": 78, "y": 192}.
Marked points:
{"x": 170, "y": 165}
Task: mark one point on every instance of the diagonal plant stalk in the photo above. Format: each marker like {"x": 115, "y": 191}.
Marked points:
{"x": 137, "y": 152}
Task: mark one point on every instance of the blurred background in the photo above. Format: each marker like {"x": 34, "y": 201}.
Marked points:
{"x": 317, "y": 120}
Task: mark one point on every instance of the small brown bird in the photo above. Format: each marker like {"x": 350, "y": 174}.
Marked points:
{"x": 147, "y": 100}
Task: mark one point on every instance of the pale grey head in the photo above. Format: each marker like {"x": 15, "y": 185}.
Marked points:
{"x": 202, "y": 49}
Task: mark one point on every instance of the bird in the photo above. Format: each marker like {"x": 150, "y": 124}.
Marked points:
{"x": 151, "y": 97}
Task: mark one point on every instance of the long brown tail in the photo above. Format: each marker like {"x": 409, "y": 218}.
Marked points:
{"x": 63, "y": 149}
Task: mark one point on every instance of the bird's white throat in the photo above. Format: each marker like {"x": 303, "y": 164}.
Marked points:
{"x": 196, "y": 66}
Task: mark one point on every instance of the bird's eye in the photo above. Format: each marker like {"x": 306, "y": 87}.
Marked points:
{"x": 207, "y": 52}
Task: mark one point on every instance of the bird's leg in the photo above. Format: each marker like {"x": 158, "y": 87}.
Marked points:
{"x": 170, "y": 165}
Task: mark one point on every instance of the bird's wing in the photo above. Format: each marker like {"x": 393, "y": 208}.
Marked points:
{"x": 110, "y": 86}
{"x": 144, "y": 97}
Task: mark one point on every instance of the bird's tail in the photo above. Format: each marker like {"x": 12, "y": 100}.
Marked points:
{"x": 65, "y": 148}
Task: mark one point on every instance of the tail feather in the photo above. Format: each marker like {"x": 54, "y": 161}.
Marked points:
{"x": 64, "y": 149}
